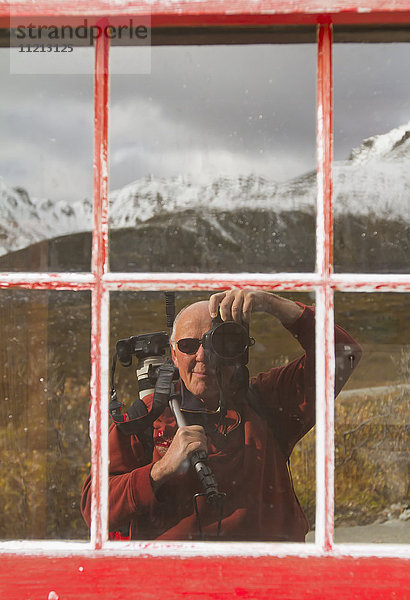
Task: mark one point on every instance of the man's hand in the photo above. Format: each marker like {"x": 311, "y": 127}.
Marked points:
{"x": 175, "y": 461}
{"x": 238, "y": 305}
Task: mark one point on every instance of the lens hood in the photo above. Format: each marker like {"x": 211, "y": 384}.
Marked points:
{"x": 228, "y": 341}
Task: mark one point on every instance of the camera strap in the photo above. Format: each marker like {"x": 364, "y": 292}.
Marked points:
{"x": 222, "y": 398}
{"x": 137, "y": 418}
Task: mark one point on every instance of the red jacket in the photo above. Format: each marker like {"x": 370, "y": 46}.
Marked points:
{"x": 250, "y": 465}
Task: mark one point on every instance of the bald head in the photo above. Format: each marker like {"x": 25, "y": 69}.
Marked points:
{"x": 193, "y": 316}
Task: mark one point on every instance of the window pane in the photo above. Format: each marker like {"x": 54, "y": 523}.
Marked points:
{"x": 249, "y": 463}
{"x": 46, "y": 160}
{"x": 372, "y": 150}
{"x": 213, "y": 159}
{"x": 44, "y": 444}
{"x": 372, "y": 421}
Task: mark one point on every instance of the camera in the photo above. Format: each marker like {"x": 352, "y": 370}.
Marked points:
{"x": 228, "y": 342}
{"x": 149, "y": 348}
{"x": 141, "y": 346}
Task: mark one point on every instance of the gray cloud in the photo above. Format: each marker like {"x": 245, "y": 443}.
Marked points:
{"x": 47, "y": 133}
{"x": 203, "y": 110}
{"x": 224, "y": 90}
{"x": 371, "y": 91}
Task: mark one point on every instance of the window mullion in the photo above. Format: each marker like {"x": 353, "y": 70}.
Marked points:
{"x": 325, "y": 355}
{"x": 99, "y": 333}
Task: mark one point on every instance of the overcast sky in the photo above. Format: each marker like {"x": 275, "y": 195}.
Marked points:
{"x": 203, "y": 111}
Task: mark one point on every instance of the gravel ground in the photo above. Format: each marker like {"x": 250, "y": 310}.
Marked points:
{"x": 393, "y": 532}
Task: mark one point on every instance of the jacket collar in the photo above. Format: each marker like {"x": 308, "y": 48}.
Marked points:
{"x": 192, "y": 403}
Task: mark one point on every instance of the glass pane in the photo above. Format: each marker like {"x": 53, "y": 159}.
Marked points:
{"x": 46, "y": 170}
{"x": 44, "y": 409}
{"x": 372, "y": 150}
{"x": 247, "y": 451}
{"x": 213, "y": 159}
{"x": 372, "y": 421}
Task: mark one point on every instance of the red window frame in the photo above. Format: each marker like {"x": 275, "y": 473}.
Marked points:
{"x": 117, "y": 570}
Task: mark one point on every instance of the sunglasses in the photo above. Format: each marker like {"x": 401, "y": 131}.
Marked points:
{"x": 189, "y": 345}
{"x": 227, "y": 341}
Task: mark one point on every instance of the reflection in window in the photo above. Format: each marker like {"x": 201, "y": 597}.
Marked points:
{"x": 372, "y": 420}
{"x": 46, "y": 163}
{"x": 248, "y": 457}
{"x": 44, "y": 446}
{"x": 372, "y": 151}
{"x": 213, "y": 159}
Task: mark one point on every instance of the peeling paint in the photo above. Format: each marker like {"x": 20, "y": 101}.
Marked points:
{"x": 99, "y": 302}
{"x": 203, "y": 281}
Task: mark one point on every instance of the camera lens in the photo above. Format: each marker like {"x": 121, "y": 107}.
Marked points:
{"x": 229, "y": 340}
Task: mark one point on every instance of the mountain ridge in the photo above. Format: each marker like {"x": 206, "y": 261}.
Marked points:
{"x": 373, "y": 181}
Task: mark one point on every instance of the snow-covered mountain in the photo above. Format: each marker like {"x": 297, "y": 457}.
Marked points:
{"x": 376, "y": 178}
{"x": 25, "y": 221}
{"x": 391, "y": 146}
{"x": 374, "y": 181}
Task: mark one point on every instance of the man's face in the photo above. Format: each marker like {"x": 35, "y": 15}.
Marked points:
{"x": 196, "y": 370}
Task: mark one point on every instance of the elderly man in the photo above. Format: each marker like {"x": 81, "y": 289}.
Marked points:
{"x": 248, "y": 449}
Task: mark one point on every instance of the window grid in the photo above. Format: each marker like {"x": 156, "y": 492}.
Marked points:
{"x": 324, "y": 282}
{"x": 100, "y": 299}
{"x": 324, "y": 296}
